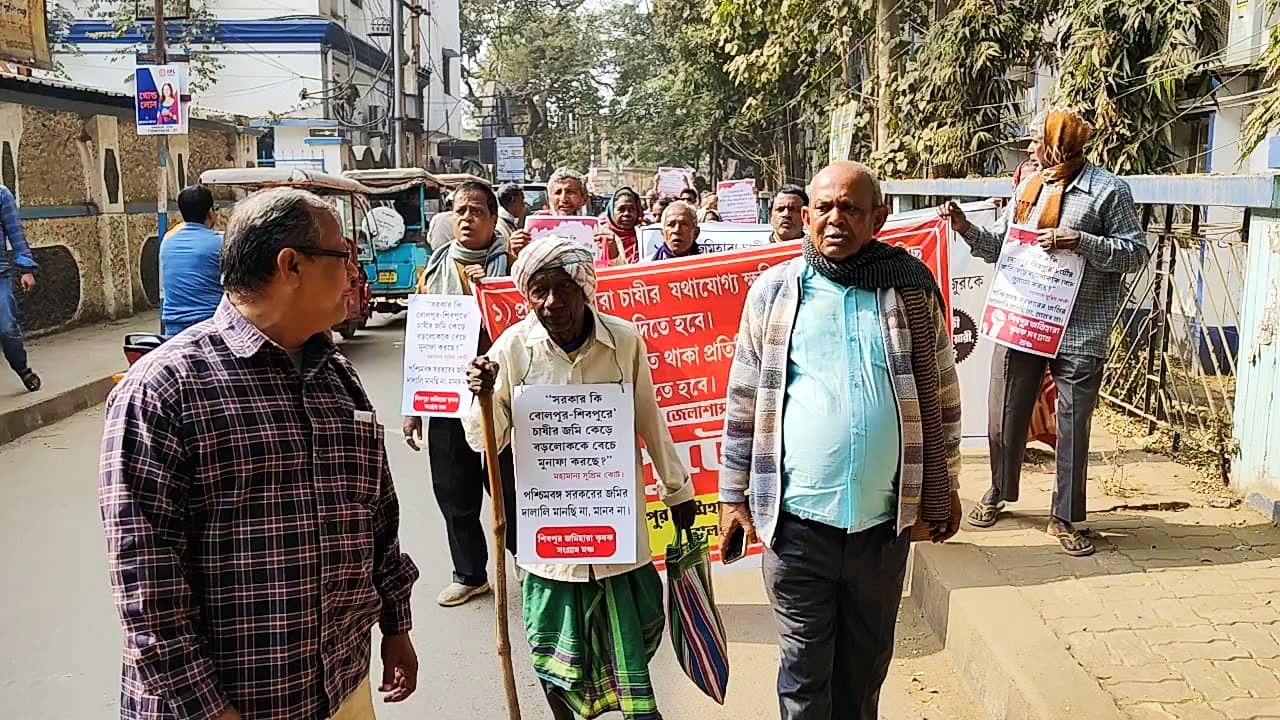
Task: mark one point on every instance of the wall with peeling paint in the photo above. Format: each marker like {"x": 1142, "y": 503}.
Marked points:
{"x": 1256, "y": 467}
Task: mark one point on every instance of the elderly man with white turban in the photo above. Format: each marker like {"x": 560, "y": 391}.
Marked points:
{"x": 592, "y": 628}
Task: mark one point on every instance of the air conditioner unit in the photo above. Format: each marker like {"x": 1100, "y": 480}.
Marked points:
{"x": 1247, "y": 31}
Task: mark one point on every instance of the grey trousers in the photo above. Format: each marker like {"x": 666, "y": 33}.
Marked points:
{"x": 835, "y": 598}
{"x": 1016, "y": 377}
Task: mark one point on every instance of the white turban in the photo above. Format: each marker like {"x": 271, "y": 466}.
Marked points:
{"x": 551, "y": 252}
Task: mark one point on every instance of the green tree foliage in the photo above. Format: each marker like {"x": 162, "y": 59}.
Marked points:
{"x": 545, "y": 61}
{"x": 1127, "y": 66}
{"x": 959, "y": 97}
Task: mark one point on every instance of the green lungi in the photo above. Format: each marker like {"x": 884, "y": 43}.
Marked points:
{"x": 592, "y": 641}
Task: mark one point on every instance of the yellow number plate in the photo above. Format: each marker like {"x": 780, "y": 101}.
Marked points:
{"x": 387, "y": 276}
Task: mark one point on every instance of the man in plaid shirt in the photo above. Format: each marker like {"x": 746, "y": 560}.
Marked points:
{"x": 1078, "y": 207}
{"x": 251, "y": 522}
{"x": 10, "y": 331}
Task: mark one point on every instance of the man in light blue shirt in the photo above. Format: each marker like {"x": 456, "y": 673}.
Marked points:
{"x": 841, "y": 443}
{"x": 840, "y": 418}
{"x": 190, "y": 278}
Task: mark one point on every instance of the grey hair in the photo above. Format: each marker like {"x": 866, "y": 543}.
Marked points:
{"x": 564, "y": 173}
{"x": 1036, "y": 127}
{"x": 262, "y": 225}
{"x": 679, "y": 205}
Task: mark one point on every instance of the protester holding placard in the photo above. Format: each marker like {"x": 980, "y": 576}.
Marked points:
{"x": 679, "y": 232}
{"x": 592, "y": 627}
{"x": 458, "y": 476}
{"x": 567, "y": 193}
{"x": 842, "y": 354}
{"x": 784, "y": 215}
{"x": 1073, "y": 207}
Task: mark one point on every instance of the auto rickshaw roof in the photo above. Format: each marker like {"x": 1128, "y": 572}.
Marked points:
{"x": 452, "y": 180}
{"x": 385, "y": 181}
{"x": 261, "y": 177}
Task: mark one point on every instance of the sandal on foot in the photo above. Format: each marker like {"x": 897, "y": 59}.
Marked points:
{"x": 30, "y": 379}
{"x": 984, "y": 515}
{"x": 1075, "y": 544}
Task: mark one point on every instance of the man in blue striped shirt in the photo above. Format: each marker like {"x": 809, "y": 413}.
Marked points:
{"x": 10, "y": 332}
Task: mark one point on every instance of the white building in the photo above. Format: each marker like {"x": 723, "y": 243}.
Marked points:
{"x": 315, "y": 73}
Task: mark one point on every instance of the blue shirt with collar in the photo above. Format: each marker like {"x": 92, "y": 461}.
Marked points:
{"x": 840, "y": 429}
{"x": 190, "y": 276}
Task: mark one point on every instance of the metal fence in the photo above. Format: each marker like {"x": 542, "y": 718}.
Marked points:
{"x": 1174, "y": 341}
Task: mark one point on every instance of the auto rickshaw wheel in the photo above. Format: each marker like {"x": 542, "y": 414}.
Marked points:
{"x": 348, "y": 329}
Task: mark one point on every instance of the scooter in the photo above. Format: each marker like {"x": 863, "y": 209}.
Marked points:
{"x": 136, "y": 345}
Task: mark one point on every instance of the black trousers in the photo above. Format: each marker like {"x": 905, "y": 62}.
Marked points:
{"x": 835, "y": 598}
{"x": 1016, "y": 377}
{"x": 460, "y": 482}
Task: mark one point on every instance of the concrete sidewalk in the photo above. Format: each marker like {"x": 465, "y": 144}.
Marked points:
{"x": 1177, "y": 616}
{"x": 76, "y": 367}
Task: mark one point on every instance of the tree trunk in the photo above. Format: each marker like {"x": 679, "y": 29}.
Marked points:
{"x": 886, "y": 35}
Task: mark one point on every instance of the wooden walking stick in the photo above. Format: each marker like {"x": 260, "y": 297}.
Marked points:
{"x": 499, "y": 552}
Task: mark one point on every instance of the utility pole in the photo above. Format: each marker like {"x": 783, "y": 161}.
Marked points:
{"x": 162, "y": 141}
{"x": 886, "y": 37}
{"x": 415, "y": 43}
{"x": 397, "y": 80}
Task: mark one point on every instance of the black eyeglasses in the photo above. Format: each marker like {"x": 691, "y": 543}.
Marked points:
{"x": 322, "y": 252}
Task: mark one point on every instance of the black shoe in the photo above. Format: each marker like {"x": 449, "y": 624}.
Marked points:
{"x": 30, "y": 379}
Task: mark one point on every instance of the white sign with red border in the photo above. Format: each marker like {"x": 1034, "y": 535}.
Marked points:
{"x": 736, "y": 201}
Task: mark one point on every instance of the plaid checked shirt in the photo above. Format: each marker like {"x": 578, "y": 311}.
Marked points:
{"x": 251, "y": 528}
{"x": 11, "y": 229}
{"x": 1100, "y": 207}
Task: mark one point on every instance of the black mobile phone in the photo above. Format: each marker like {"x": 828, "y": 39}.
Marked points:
{"x": 736, "y": 548}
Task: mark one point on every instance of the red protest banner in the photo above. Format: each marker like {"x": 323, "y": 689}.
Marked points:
{"x": 688, "y": 311}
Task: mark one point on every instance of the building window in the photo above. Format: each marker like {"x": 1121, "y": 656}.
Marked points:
{"x": 446, "y": 72}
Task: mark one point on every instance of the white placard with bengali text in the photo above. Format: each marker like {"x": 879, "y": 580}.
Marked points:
{"x": 672, "y": 180}
{"x": 441, "y": 334}
{"x": 574, "y": 448}
{"x": 580, "y": 229}
{"x": 1032, "y": 295}
{"x": 736, "y": 201}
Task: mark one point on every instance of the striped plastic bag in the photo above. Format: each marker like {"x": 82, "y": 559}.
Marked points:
{"x": 696, "y": 631}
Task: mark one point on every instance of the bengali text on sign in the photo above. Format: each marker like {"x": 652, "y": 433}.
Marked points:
{"x": 441, "y": 333}
{"x": 1032, "y": 295}
{"x": 574, "y": 448}
{"x": 688, "y": 311}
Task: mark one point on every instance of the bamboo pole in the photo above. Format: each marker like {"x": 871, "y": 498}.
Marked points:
{"x": 499, "y": 553}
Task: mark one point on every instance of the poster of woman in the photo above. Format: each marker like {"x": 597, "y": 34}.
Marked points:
{"x": 158, "y": 98}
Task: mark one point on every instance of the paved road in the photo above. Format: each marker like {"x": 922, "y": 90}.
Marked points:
{"x": 60, "y": 639}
